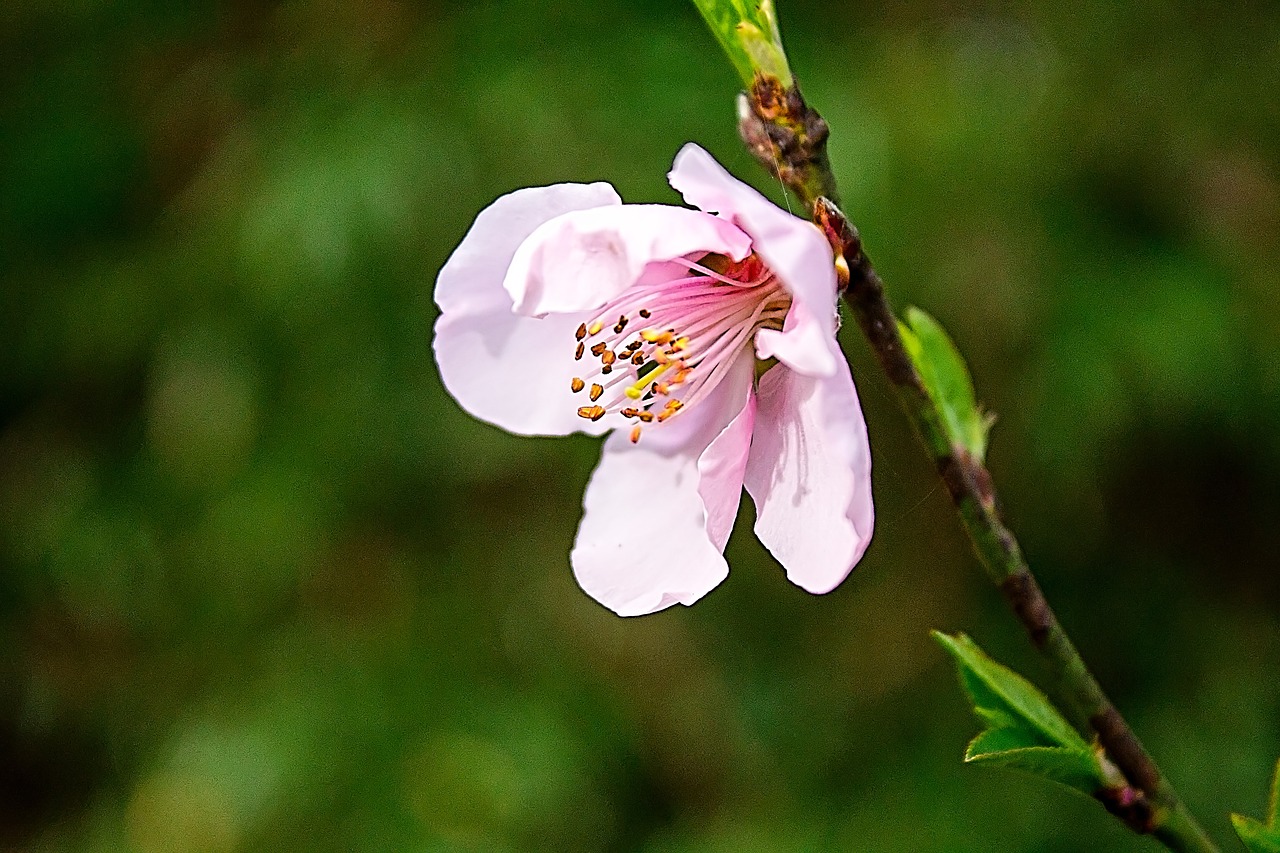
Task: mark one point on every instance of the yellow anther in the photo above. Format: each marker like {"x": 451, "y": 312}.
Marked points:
{"x": 653, "y": 336}
{"x": 842, "y": 272}
{"x": 635, "y": 434}
{"x": 577, "y": 385}
{"x": 596, "y": 391}
{"x": 680, "y": 344}
{"x": 608, "y": 357}
{"x": 594, "y": 328}
{"x": 593, "y": 413}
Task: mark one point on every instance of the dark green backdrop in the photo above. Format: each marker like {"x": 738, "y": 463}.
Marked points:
{"x": 264, "y": 587}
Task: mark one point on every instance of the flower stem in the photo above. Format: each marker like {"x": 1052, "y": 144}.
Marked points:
{"x": 789, "y": 139}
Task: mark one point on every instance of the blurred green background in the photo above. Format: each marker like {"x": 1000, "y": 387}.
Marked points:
{"x": 263, "y": 586}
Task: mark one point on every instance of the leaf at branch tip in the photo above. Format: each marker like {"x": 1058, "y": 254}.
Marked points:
{"x": 946, "y": 378}
{"x": 748, "y": 32}
{"x": 1273, "y": 811}
{"x": 1024, "y": 731}
{"x": 1262, "y": 837}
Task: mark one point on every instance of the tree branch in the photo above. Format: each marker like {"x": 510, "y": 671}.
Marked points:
{"x": 789, "y": 139}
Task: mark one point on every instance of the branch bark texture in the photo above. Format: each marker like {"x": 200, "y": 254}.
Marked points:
{"x": 789, "y": 139}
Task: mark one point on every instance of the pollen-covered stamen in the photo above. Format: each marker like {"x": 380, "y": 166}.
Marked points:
{"x": 693, "y": 331}
{"x": 651, "y": 336}
{"x": 670, "y": 409}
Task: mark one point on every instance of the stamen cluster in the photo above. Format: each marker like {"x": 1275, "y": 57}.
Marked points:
{"x": 686, "y": 335}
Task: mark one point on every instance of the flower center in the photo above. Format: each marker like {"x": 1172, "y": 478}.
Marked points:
{"x": 663, "y": 347}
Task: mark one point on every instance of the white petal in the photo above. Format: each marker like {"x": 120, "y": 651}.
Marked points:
{"x": 509, "y": 370}
{"x": 658, "y": 514}
{"x": 810, "y": 476}
{"x": 579, "y": 261}
{"x": 793, "y": 248}
{"x": 471, "y": 279}
{"x": 721, "y": 469}
{"x": 515, "y": 372}
{"x": 806, "y": 343}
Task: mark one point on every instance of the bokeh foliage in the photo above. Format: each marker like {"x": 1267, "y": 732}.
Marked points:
{"x": 264, "y": 587}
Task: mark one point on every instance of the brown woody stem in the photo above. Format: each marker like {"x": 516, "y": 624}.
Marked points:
{"x": 789, "y": 139}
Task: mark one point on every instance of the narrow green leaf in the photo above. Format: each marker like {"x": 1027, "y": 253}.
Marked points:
{"x": 947, "y": 379}
{"x": 1002, "y": 739}
{"x": 1066, "y": 767}
{"x": 748, "y": 32}
{"x": 1273, "y": 813}
{"x": 1024, "y": 731}
{"x": 995, "y": 687}
{"x": 1256, "y": 836}
{"x": 1262, "y": 837}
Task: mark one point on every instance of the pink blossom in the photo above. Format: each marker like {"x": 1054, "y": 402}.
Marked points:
{"x": 705, "y": 339}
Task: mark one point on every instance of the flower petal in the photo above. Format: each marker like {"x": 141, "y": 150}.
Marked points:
{"x": 794, "y": 249}
{"x": 721, "y": 469}
{"x": 471, "y": 279}
{"x": 658, "y": 513}
{"x": 513, "y": 371}
{"x": 509, "y": 370}
{"x": 810, "y": 476}
{"x": 806, "y": 344}
{"x": 581, "y": 260}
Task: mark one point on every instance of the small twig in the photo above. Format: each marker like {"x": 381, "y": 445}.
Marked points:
{"x": 789, "y": 139}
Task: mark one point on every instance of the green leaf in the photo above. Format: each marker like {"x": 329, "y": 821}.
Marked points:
{"x": 1024, "y": 731}
{"x": 1068, "y": 767}
{"x": 1262, "y": 837}
{"x": 1273, "y": 812}
{"x": 748, "y": 32}
{"x": 1000, "y": 694}
{"x": 946, "y": 378}
{"x": 1257, "y": 836}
